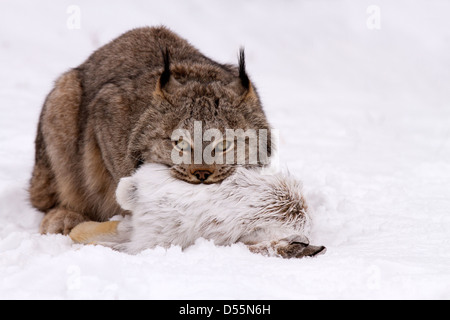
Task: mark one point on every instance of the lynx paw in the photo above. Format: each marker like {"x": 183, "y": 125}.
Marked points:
{"x": 60, "y": 220}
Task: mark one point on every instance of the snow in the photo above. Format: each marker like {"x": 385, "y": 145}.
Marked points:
{"x": 364, "y": 120}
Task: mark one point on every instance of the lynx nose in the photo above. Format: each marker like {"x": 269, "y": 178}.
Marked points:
{"x": 202, "y": 175}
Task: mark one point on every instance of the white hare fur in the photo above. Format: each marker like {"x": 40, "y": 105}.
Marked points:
{"x": 266, "y": 212}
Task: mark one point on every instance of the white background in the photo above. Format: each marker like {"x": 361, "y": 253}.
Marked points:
{"x": 364, "y": 117}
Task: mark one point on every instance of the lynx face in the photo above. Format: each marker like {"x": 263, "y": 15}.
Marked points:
{"x": 204, "y": 128}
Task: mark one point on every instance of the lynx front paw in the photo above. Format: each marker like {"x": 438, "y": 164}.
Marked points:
{"x": 60, "y": 220}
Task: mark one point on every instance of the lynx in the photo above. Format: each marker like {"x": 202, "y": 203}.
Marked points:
{"x": 118, "y": 110}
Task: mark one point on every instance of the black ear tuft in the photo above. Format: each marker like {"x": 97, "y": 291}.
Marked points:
{"x": 165, "y": 76}
{"x": 245, "y": 81}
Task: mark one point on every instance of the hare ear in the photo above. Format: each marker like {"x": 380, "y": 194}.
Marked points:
{"x": 167, "y": 83}
{"x": 126, "y": 193}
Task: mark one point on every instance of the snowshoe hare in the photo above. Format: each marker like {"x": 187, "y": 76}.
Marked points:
{"x": 266, "y": 212}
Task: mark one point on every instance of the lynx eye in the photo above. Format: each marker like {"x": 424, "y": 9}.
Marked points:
{"x": 183, "y": 145}
{"x": 224, "y": 146}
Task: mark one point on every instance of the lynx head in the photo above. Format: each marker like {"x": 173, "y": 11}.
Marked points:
{"x": 206, "y": 120}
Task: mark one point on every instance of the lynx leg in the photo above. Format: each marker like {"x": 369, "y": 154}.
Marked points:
{"x": 52, "y": 186}
{"x": 43, "y": 189}
{"x": 60, "y": 220}
{"x": 291, "y": 247}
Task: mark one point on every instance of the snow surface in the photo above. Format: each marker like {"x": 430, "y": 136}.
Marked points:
{"x": 364, "y": 117}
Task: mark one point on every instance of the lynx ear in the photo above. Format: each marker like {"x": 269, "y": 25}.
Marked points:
{"x": 243, "y": 77}
{"x": 243, "y": 85}
{"x": 126, "y": 193}
{"x": 167, "y": 83}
